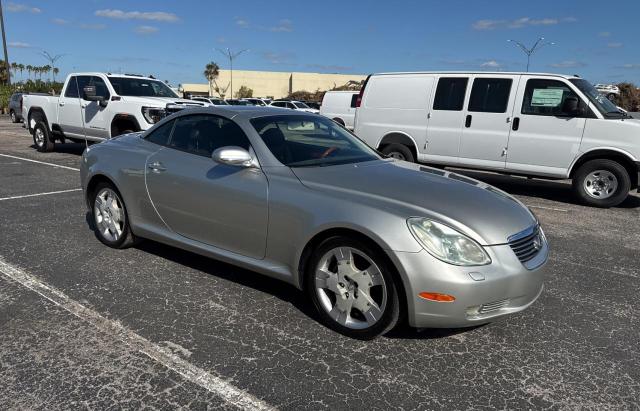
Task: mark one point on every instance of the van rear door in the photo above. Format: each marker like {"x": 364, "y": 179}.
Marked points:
{"x": 486, "y": 126}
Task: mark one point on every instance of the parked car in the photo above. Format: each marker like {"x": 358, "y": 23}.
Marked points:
{"x": 15, "y": 107}
{"x": 256, "y": 101}
{"x": 294, "y": 105}
{"x": 313, "y": 104}
{"x": 238, "y": 102}
{"x": 297, "y": 197}
{"x": 98, "y": 106}
{"x": 537, "y": 125}
{"x": 210, "y": 100}
{"x": 610, "y": 91}
{"x": 340, "y": 106}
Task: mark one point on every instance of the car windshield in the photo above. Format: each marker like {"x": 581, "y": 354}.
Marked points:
{"x": 301, "y": 105}
{"x": 140, "y": 87}
{"x": 601, "y": 103}
{"x": 308, "y": 141}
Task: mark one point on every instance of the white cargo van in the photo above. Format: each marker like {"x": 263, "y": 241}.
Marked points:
{"x": 544, "y": 125}
{"x": 340, "y": 106}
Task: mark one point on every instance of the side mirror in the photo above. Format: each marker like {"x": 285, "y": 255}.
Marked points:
{"x": 89, "y": 94}
{"x": 571, "y": 107}
{"x": 233, "y": 156}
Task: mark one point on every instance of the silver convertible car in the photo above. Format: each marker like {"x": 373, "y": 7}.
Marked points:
{"x": 371, "y": 240}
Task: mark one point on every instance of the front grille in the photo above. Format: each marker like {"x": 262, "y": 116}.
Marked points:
{"x": 526, "y": 244}
{"x": 494, "y": 306}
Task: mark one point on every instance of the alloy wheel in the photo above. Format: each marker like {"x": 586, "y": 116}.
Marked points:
{"x": 109, "y": 214}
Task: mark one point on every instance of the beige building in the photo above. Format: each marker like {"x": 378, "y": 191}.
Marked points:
{"x": 271, "y": 84}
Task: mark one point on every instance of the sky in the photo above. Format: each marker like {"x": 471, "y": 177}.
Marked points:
{"x": 173, "y": 40}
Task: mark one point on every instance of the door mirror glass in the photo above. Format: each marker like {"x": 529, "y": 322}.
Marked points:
{"x": 89, "y": 94}
{"x": 233, "y": 156}
{"x": 571, "y": 106}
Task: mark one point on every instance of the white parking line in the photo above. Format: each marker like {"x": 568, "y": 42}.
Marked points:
{"x": 549, "y": 208}
{"x": 40, "y": 194}
{"x": 40, "y": 162}
{"x": 213, "y": 383}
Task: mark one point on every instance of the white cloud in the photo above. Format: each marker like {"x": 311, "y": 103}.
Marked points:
{"x": 568, "y": 64}
{"x": 138, "y": 15}
{"x": 146, "y": 29}
{"x": 221, "y": 40}
{"x": 604, "y": 34}
{"x": 242, "y": 23}
{"x": 60, "y": 22}
{"x": 520, "y": 23}
{"x": 87, "y": 26}
{"x": 491, "y": 64}
{"x": 17, "y": 8}
{"x": 631, "y": 66}
{"x": 284, "y": 25}
{"x": 615, "y": 45}
{"x": 19, "y": 45}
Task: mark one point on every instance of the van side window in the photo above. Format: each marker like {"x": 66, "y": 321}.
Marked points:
{"x": 545, "y": 97}
{"x": 450, "y": 93}
{"x": 490, "y": 95}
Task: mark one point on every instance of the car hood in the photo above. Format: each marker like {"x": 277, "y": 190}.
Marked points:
{"x": 163, "y": 101}
{"x": 483, "y": 212}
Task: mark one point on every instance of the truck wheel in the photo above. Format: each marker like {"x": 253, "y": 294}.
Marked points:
{"x": 601, "y": 183}
{"x": 41, "y": 138}
{"x": 14, "y": 117}
{"x": 399, "y": 152}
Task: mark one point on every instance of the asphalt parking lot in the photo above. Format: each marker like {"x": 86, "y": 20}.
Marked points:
{"x": 86, "y": 326}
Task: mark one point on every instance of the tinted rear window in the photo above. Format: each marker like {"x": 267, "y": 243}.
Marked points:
{"x": 490, "y": 95}
{"x": 450, "y": 93}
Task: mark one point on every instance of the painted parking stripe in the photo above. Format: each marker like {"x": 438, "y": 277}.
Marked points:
{"x": 40, "y": 162}
{"x": 164, "y": 356}
{"x": 40, "y": 194}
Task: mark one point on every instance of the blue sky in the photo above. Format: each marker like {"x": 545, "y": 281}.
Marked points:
{"x": 173, "y": 40}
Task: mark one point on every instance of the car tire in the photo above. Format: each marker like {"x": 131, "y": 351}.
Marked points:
{"x": 14, "y": 117}
{"x": 339, "y": 296}
{"x": 601, "y": 183}
{"x": 110, "y": 218}
{"x": 399, "y": 152}
{"x": 611, "y": 97}
{"x": 41, "y": 138}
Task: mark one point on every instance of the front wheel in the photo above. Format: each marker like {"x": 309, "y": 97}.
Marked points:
{"x": 352, "y": 288}
{"x": 601, "y": 183}
{"x": 110, "y": 217}
{"x": 41, "y": 138}
{"x": 399, "y": 152}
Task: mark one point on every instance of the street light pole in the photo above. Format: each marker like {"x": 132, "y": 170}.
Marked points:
{"x": 540, "y": 43}
{"x": 230, "y": 55}
{"x": 4, "y": 45}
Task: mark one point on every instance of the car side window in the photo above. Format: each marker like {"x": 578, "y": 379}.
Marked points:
{"x": 72, "y": 88}
{"x": 546, "y": 97}
{"x": 162, "y": 134}
{"x": 290, "y": 105}
{"x": 450, "y": 93}
{"x": 490, "y": 95}
{"x": 202, "y": 134}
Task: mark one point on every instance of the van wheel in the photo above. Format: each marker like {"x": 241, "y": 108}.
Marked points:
{"x": 41, "y": 138}
{"x": 601, "y": 183}
{"x": 399, "y": 152}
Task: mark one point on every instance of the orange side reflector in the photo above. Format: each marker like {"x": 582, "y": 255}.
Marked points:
{"x": 442, "y": 298}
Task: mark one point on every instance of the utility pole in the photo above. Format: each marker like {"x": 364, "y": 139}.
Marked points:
{"x": 4, "y": 45}
{"x": 230, "y": 55}
{"x": 540, "y": 43}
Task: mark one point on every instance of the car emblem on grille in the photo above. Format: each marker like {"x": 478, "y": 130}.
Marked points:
{"x": 537, "y": 242}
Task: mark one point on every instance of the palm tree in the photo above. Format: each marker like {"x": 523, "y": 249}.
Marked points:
{"x": 29, "y": 70}
{"x": 46, "y": 69}
{"x": 211, "y": 72}
{"x": 14, "y": 68}
{"x": 21, "y": 68}
{"x": 55, "y": 71}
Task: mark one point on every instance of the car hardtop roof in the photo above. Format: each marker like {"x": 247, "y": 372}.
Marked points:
{"x": 496, "y": 73}
{"x": 102, "y": 73}
{"x": 247, "y": 112}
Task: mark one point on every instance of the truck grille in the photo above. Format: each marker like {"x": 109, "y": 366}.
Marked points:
{"x": 526, "y": 244}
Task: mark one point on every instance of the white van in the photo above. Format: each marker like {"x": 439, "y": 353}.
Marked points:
{"x": 543, "y": 125}
{"x": 340, "y": 106}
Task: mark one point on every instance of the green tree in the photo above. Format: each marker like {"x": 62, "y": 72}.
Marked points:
{"x": 55, "y": 71}
{"x": 21, "y": 68}
{"x": 4, "y": 72}
{"x": 29, "y": 70}
{"x": 244, "y": 92}
{"x": 211, "y": 73}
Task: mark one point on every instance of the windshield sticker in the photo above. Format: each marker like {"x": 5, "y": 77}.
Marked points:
{"x": 547, "y": 97}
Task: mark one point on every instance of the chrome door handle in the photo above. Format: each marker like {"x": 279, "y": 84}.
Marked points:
{"x": 156, "y": 167}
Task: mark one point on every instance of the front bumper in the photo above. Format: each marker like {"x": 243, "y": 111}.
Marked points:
{"x": 482, "y": 294}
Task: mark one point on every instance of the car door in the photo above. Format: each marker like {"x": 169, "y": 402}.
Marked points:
{"x": 70, "y": 111}
{"x": 216, "y": 204}
{"x": 487, "y": 122}
{"x": 95, "y": 114}
{"x": 543, "y": 138}
{"x": 445, "y": 120}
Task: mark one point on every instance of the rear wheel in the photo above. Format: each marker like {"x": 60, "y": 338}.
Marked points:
{"x": 601, "y": 183}
{"x": 352, "y": 288}
{"x": 399, "y": 152}
{"x": 14, "y": 117}
{"x": 41, "y": 138}
{"x": 110, "y": 217}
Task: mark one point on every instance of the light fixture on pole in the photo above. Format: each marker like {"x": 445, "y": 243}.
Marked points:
{"x": 230, "y": 55}
{"x": 540, "y": 43}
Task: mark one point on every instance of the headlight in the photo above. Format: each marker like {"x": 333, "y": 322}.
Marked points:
{"x": 153, "y": 114}
{"x": 447, "y": 244}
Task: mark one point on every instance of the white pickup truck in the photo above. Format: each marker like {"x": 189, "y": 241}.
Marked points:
{"x": 98, "y": 106}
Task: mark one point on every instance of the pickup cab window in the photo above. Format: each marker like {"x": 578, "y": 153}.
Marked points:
{"x": 72, "y": 88}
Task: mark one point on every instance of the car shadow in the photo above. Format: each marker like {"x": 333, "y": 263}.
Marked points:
{"x": 66, "y": 148}
{"x": 558, "y": 190}
{"x": 279, "y": 289}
